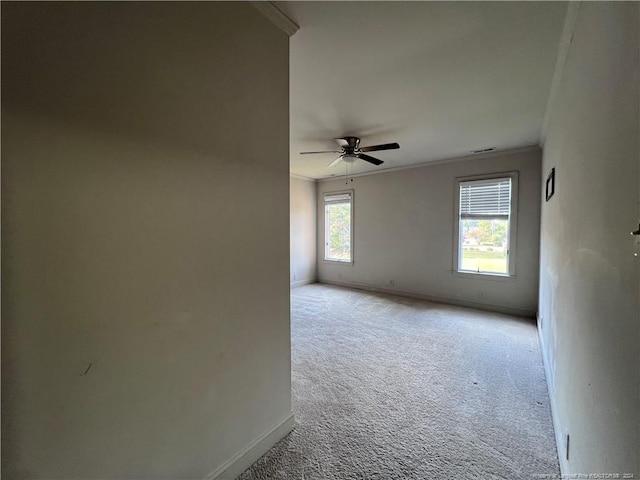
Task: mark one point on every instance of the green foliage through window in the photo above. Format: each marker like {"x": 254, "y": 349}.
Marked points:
{"x": 338, "y": 227}
{"x": 484, "y": 245}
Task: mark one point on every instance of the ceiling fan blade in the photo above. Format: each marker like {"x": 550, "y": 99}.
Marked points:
{"x": 370, "y": 159}
{"x": 342, "y": 142}
{"x": 323, "y": 151}
{"x": 384, "y": 146}
{"x": 335, "y": 162}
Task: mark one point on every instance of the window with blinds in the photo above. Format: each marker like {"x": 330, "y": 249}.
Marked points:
{"x": 484, "y": 217}
{"x": 485, "y": 199}
{"x": 338, "y": 227}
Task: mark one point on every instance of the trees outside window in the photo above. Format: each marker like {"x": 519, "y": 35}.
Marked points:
{"x": 338, "y": 222}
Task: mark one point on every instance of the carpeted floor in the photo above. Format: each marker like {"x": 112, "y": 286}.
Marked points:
{"x": 387, "y": 387}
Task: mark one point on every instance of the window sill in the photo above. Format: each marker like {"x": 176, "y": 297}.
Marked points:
{"x": 492, "y": 277}
{"x": 338, "y": 262}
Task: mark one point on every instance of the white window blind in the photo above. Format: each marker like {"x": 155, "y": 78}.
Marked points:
{"x": 337, "y": 199}
{"x": 485, "y": 199}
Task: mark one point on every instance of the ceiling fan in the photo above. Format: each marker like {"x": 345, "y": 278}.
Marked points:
{"x": 351, "y": 151}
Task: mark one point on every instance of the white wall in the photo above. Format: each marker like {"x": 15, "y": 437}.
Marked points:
{"x": 302, "y": 206}
{"x": 588, "y": 274}
{"x": 403, "y": 231}
{"x": 145, "y": 234}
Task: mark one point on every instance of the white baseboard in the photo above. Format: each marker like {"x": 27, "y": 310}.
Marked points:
{"x": 557, "y": 428}
{"x": 246, "y": 457}
{"x": 521, "y": 312}
{"x": 299, "y": 283}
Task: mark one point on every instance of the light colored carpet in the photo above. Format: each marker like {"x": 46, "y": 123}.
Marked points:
{"x": 387, "y": 387}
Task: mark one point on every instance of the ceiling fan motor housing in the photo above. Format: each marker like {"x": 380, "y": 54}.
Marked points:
{"x": 352, "y": 143}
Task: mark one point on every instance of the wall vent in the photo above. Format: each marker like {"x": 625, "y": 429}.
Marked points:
{"x": 484, "y": 150}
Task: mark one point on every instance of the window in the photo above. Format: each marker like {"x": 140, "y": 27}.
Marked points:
{"x": 338, "y": 223}
{"x": 485, "y": 218}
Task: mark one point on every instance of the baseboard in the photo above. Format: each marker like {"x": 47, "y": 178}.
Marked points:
{"x": 299, "y": 283}
{"x": 557, "y": 428}
{"x": 520, "y": 312}
{"x": 246, "y": 457}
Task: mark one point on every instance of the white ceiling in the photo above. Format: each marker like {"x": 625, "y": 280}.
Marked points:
{"x": 440, "y": 78}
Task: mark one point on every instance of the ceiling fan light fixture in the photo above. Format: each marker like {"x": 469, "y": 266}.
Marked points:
{"x": 349, "y": 158}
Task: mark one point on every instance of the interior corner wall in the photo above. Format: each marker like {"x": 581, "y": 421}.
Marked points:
{"x": 589, "y": 312}
{"x": 145, "y": 238}
{"x": 404, "y": 228}
{"x": 303, "y": 231}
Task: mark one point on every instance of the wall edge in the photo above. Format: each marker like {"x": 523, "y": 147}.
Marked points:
{"x": 557, "y": 427}
{"x": 247, "y": 456}
{"x": 520, "y": 312}
{"x": 300, "y": 283}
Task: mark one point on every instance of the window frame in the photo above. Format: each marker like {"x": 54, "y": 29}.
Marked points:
{"x": 335, "y": 261}
{"x": 513, "y": 228}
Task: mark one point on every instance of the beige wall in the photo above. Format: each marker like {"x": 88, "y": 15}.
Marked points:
{"x": 404, "y": 224}
{"x": 303, "y": 231}
{"x": 145, "y": 235}
{"x": 589, "y": 276}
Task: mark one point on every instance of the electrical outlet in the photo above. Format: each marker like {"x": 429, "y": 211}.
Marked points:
{"x": 294, "y": 277}
{"x": 481, "y": 294}
{"x": 339, "y": 276}
{"x": 392, "y": 282}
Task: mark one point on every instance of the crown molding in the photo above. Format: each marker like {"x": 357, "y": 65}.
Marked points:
{"x": 275, "y": 15}
{"x": 302, "y": 177}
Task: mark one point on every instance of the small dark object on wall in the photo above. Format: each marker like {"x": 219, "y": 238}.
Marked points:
{"x": 551, "y": 184}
